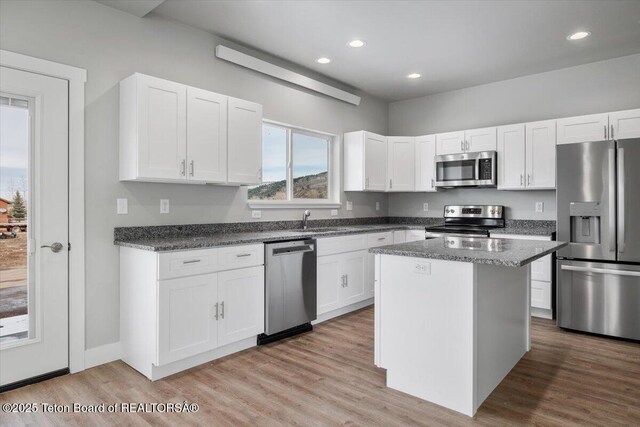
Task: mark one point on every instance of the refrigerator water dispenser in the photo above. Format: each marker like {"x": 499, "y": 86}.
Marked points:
{"x": 585, "y": 222}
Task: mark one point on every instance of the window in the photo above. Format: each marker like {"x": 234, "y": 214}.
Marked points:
{"x": 295, "y": 166}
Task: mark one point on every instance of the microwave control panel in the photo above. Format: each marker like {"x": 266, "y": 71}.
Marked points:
{"x": 486, "y": 169}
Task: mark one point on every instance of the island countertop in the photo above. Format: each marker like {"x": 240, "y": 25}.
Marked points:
{"x": 477, "y": 250}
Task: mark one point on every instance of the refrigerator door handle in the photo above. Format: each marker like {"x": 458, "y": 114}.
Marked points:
{"x": 612, "y": 199}
{"x": 621, "y": 190}
{"x": 601, "y": 270}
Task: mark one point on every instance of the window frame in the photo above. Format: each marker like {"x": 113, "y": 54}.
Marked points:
{"x": 333, "y": 172}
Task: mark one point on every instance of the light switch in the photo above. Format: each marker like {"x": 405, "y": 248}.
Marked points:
{"x": 256, "y": 214}
{"x": 539, "y": 206}
{"x": 334, "y": 212}
{"x": 349, "y": 205}
{"x": 122, "y": 206}
{"x": 164, "y": 206}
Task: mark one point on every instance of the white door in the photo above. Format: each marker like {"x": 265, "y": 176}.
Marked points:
{"x": 162, "y": 122}
{"x": 450, "y": 143}
{"x": 34, "y": 161}
{"x": 424, "y": 163}
{"x": 206, "y": 136}
{"x": 541, "y": 155}
{"x": 624, "y": 124}
{"x": 244, "y": 147}
{"x": 511, "y": 157}
{"x": 400, "y": 163}
{"x": 480, "y": 140}
{"x": 186, "y": 317}
{"x": 375, "y": 162}
{"x": 354, "y": 270}
{"x": 241, "y": 302}
{"x": 328, "y": 282}
{"x": 583, "y": 129}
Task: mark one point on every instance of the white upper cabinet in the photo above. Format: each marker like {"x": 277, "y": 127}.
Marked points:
{"x": 624, "y": 124}
{"x": 541, "y": 155}
{"x": 594, "y": 127}
{"x": 480, "y": 140}
{"x": 450, "y": 143}
{"x": 206, "y": 136}
{"x": 152, "y": 129}
{"x": 170, "y": 132}
{"x": 425, "y": 151}
{"x": 511, "y": 157}
{"x": 400, "y": 163}
{"x": 244, "y": 142}
{"x": 469, "y": 141}
{"x": 365, "y": 161}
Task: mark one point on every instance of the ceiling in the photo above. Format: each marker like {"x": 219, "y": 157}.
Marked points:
{"x": 138, "y": 8}
{"x": 453, "y": 44}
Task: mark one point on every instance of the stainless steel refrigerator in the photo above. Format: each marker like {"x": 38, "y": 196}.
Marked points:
{"x": 598, "y": 202}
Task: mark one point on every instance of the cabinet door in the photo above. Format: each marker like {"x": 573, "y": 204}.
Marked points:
{"x": 244, "y": 146}
{"x": 574, "y": 130}
{"x": 624, "y": 124}
{"x": 480, "y": 140}
{"x": 241, "y": 304}
{"x": 186, "y": 317}
{"x": 424, "y": 163}
{"x": 206, "y": 136}
{"x": 400, "y": 163}
{"x": 414, "y": 235}
{"x": 162, "y": 122}
{"x": 541, "y": 269}
{"x": 511, "y": 157}
{"x": 541, "y": 155}
{"x": 354, "y": 269}
{"x": 328, "y": 281}
{"x": 375, "y": 162}
{"x": 399, "y": 236}
{"x": 450, "y": 143}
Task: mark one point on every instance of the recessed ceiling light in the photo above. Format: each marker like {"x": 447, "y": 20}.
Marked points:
{"x": 579, "y": 35}
{"x": 356, "y": 43}
{"x": 323, "y": 60}
{"x": 414, "y": 76}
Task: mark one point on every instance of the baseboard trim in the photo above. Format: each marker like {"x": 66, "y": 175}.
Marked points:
{"x": 344, "y": 310}
{"x": 103, "y": 354}
{"x": 542, "y": 313}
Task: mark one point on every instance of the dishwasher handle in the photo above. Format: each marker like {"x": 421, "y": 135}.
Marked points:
{"x": 292, "y": 250}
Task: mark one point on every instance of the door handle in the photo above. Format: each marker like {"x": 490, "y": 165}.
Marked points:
{"x": 55, "y": 247}
{"x": 612, "y": 200}
{"x": 621, "y": 232}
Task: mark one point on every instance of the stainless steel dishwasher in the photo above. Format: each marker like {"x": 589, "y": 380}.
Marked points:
{"x": 290, "y": 288}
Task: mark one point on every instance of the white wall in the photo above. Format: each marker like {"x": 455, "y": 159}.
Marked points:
{"x": 111, "y": 45}
{"x": 592, "y": 88}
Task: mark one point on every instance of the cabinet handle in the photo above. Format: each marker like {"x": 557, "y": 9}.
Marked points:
{"x": 191, "y": 261}
{"x": 183, "y": 167}
{"x": 242, "y": 255}
{"x": 432, "y": 183}
{"x": 611, "y": 133}
{"x": 605, "y": 131}
{"x": 390, "y": 183}
{"x": 343, "y": 280}
{"x": 381, "y": 238}
{"x": 259, "y": 174}
{"x": 461, "y": 145}
{"x": 521, "y": 180}
{"x": 222, "y": 310}
{"x": 528, "y": 179}
{"x": 346, "y": 280}
{"x": 366, "y": 182}
{"x": 466, "y": 145}
{"x": 215, "y": 316}
{"x": 191, "y": 168}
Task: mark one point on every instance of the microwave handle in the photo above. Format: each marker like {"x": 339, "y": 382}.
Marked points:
{"x": 477, "y": 174}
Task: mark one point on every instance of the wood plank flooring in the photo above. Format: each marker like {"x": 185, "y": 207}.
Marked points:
{"x": 327, "y": 377}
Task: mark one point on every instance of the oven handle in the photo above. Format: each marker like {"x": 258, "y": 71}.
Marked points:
{"x": 601, "y": 270}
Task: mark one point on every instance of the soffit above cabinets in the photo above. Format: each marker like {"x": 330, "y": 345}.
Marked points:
{"x": 452, "y": 44}
{"x": 139, "y": 8}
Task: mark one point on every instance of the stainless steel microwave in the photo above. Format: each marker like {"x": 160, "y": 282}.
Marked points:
{"x": 466, "y": 170}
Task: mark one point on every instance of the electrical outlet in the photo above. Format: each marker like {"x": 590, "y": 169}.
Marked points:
{"x": 539, "y": 206}
{"x": 334, "y": 212}
{"x": 377, "y": 206}
{"x": 349, "y": 205}
{"x": 164, "y": 206}
{"x": 256, "y": 214}
{"x": 425, "y": 207}
{"x": 122, "y": 206}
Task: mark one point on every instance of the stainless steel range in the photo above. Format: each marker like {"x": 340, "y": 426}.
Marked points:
{"x": 468, "y": 221}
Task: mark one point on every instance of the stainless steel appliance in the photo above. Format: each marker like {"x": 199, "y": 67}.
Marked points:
{"x": 290, "y": 288}
{"x": 468, "y": 221}
{"x": 599, "y": 215}
{"x": 466, "y": 170}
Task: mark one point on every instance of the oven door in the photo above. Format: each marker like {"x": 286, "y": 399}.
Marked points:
{"x": 466, "y": 170}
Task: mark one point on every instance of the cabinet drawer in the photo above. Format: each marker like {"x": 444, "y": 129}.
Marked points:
{"x": 233, "y": 257}
{"x": 336, "y": 245}
{"x": 380, "y": 239}
{"x": 187, "y": 263}
{"x": 541, "y": 294}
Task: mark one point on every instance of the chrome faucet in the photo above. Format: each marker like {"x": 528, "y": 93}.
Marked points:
{"x": 305, "y": 217}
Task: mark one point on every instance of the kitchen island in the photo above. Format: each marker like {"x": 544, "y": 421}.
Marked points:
{"x": 452, "y": 315}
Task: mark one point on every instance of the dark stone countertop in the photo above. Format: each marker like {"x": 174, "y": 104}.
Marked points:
{"x": 527, "y": 228}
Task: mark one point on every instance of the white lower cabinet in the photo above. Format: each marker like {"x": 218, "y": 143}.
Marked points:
{"x": 181, "y": 309}
{"x": 341, "y": 280}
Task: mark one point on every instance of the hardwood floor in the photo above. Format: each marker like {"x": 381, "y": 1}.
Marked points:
{"x": 327, "y": 377}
